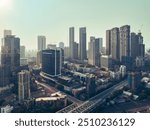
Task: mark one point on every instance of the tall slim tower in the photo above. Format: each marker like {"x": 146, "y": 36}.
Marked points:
{"x": 71, "y": 42}
{"x": 24, "y": 85}
{"x": 94, "y": 53}
{"x": 41, "y": 43}
{"x": 108, "y": 42}
{"x": 124, "y": 42}
{"x": 115, "y": 43}
{"x": 82, "y": 36}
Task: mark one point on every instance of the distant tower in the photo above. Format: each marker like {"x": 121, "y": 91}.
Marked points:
{"x": 41, "y": 43}
{"x": 124, "y": 42}
{"x": 108, "y": 42}
{"x": 24, "y": 85}
{"x": 82, "y": 42}
{"x": 94, "y": 52}
{"x": 115, "y": 44}
{"x": 71, "y": 42}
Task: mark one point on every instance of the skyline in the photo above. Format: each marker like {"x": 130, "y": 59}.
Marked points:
{"x": 53, "y": 18}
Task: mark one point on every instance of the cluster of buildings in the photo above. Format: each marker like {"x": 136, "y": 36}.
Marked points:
{"x": 123, "y": 51}
{"x": 124, "y": 46}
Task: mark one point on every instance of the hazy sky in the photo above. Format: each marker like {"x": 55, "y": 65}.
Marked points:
{"x": 52, "y": 18}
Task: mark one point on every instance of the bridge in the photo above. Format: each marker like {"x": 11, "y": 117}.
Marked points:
{"x": 95, "y": 101}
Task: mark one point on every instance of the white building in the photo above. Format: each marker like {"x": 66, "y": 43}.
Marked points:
{"x": 123, "y": 71}
{"x": 6, "y": 109}
{"x": 106, "y": 61}
{"x": 24, "y": 85}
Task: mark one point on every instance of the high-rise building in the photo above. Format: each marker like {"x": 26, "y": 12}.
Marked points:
{"x": 134, "y": 45}
{"x": 66, "y": 52}
{"x": 52, "y": 61}
{"x": 115, "y": 44}
{"x": 11, "y": 52}
{"x": 71, "y": 42}
{"x": 39, "y": 58}
{"x": 137, "y": 46}
{"x": 141, "y": 45}
{"x": 22, "y": 51}
{"x": 23, "y": 85}
{"x": 100, "y": 45}
{"x": 106, "y": 61}
{"x": 41, "y": 43}
{"x": 94, "y": 53}
{"x": 124, "y": 42}
{"x": 82, "y": 42}
{"x": 108, "y": 42}
{"x": 76, "y": 46}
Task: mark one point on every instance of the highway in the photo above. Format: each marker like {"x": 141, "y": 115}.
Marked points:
{"x": 98, "y": 99}
{"x": 68, "y": 108}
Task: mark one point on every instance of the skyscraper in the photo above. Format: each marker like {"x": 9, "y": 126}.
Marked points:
{"x": 141, "y": 45}
{"x": 137, "y": 46}
{"x": 23, "y": 85}
{"x": 115, "y": 44}
{"x": 41, "y": 43}
{"x": 39, "y": 58}
{"x": 94, "y": 52}
{"x": 82, "y": 42}
{"x": 76, "y": 46}
{"x": 71, "y": 42}
{"x": 108, "y": 42}
{"x": 52, "y": 61}
{"x": 124, "y": 42}
{"x": 134, "y": 45}
{"x": 11, "y": 52}
{"x": 101, "y": 44}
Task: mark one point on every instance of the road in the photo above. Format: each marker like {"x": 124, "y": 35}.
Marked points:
{"x": 98, "y": 99}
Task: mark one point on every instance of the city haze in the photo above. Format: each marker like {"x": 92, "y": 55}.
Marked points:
{"x": 52, "y": 18}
